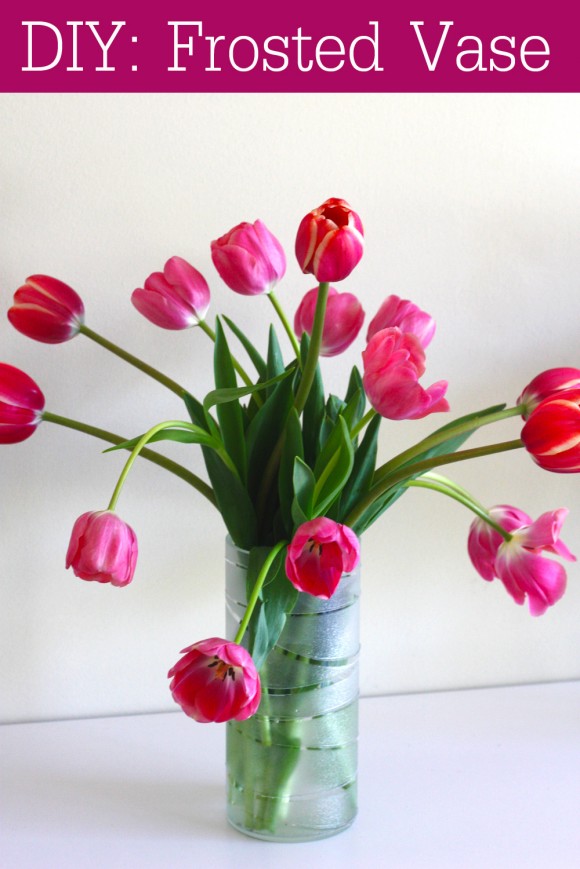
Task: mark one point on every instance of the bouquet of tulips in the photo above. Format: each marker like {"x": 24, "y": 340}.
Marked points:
{"x": 294, "y": 472}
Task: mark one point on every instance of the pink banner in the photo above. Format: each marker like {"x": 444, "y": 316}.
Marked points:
{"x": 368, "y": 46}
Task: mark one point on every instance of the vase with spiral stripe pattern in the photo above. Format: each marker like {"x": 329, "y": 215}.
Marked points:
{"x": 292, "y": 767}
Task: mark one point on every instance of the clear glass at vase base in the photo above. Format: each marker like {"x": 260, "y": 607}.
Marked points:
{"x": 292, "y": 767}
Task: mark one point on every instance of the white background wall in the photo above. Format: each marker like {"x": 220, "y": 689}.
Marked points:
{"x": 471, "y": 208}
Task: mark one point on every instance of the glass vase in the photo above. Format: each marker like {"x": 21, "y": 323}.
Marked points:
{"x": 292, "y": 767}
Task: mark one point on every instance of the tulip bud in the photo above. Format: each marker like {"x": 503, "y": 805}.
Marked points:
{"x": 102, "y": 548}
{"x": 342, "y": 321}
{"x": 330, "y": 242}
{"x": 176, "y": 298}
{"x": 393, "y": 362}
{"x": 547, "y": 385}
{"x": 552, "y": 432}
{"x": 21, "y": 405}
{"x": 249, "y": 259}
{"x": 47, "y": 310}
{"x": 406, "y": 316}
{"x": 216, "y": 681}
{"x": 320, "y": 552}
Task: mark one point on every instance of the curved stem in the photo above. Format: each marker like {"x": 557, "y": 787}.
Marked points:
{"x": 439, "y": 437}
{"x": 151, "y": 456}
{"x": 133, "y": 360}
{"x": 457, "y": 495}
{"x": 418, "y": 468}
{"x": 284, "y": 320}
{"x": 309, "y": 371}
{"x": 370, "y": 414}
{"x": 257, "y": 589}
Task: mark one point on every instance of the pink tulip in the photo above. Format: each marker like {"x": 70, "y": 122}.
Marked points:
{"x": 249, "y": 259}
{"x": 552, "y": 432}
{"x": 519, "y": 562}
{"x": 47, "y": 310}
{"x": 102, "y": 548}
{"x": 21, "y": 405}
{"x": 393, "y": 362}
{"x": 484, "y": 541}
{"x": 547, "y": 385}
{"x": 320, "y": 552}
{"x": 176, "y": 298}
{"x": 406, "y": 316}
{"x": 330, "y": 241}
{"x": 216, "y": 681}
{"x": 342, "y": 322}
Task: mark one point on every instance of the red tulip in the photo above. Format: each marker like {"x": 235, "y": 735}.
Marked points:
{"x": 330, "y": 242}
{"x": 249, "y": 259}
{"x": 342, "y": 322}
{"x": 21, "y": 405}
{"x": 176, "y": 298}
{"x": 320, "y": 552}
{"x": 102, "y": 548}
{"x": 406, "y": 316}
{"x": 216, "y": 681}
{"x": 552, "y": 432}
{"x": 47, "y": 310}
{"x": 393, "y": 362}
{"x": 547, "y": 385}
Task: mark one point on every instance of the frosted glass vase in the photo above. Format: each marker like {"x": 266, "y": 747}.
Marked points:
{"x": 292, "y": 767}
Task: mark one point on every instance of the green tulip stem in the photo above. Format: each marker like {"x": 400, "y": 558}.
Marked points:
{"x": 416, "y": 469}
{"x": 133, "y": 360}
{"x": 447, "y": 487}
{"x": 151, "y": 456}
{"x": 172, "y": 423}
{"x": 245, "y": 377}
{"x": 370, "y": 414}
{"x": 284, "y": 320}
{"x": 309, "y": 371}
{"x": 439, "y": 437}
{"x": 257, "y": 589}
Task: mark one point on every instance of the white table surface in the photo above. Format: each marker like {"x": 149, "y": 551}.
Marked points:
{"x": 479, "y": 778}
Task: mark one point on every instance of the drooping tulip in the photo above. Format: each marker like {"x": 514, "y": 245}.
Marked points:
{"x": 102, "y": 548}
{"x": 176, "y": 298}
{"x": 330, "y": 241}
{"x": 21, "y": 405}
{"x": 318, "y": 555}
{"x": 552, "y": 432}
{"x": 407, "y": 316}
{"x": 249, "y": 259}
{"x": 393, "y": 363}
{"x": 525, "y": 572}
{"x": 342, "y": 322}
{"x": 484, "y": 541}
{"x": 47, "y": 310}
{"x": 216, "y": 680}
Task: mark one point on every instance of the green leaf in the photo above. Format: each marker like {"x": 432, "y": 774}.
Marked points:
{"x": 277, "y": 598}
{"x": 265, "y": 430}
{"x": 227, "y": 394}
{"x": 230, "y": 415}
{"x": 184, "y": 436}
{"x": 313, "y": 414}
{"x": 365, "y": 459}
{"x": 275, "y": 364}
{"x": 233, "y": 501}
{"x": 303, "y": 482}
{"x": 292, "y": 448}
{"x": 377, "y": 509}
{"x": 257, "y": 360}
{"x": 332, "y": 468}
